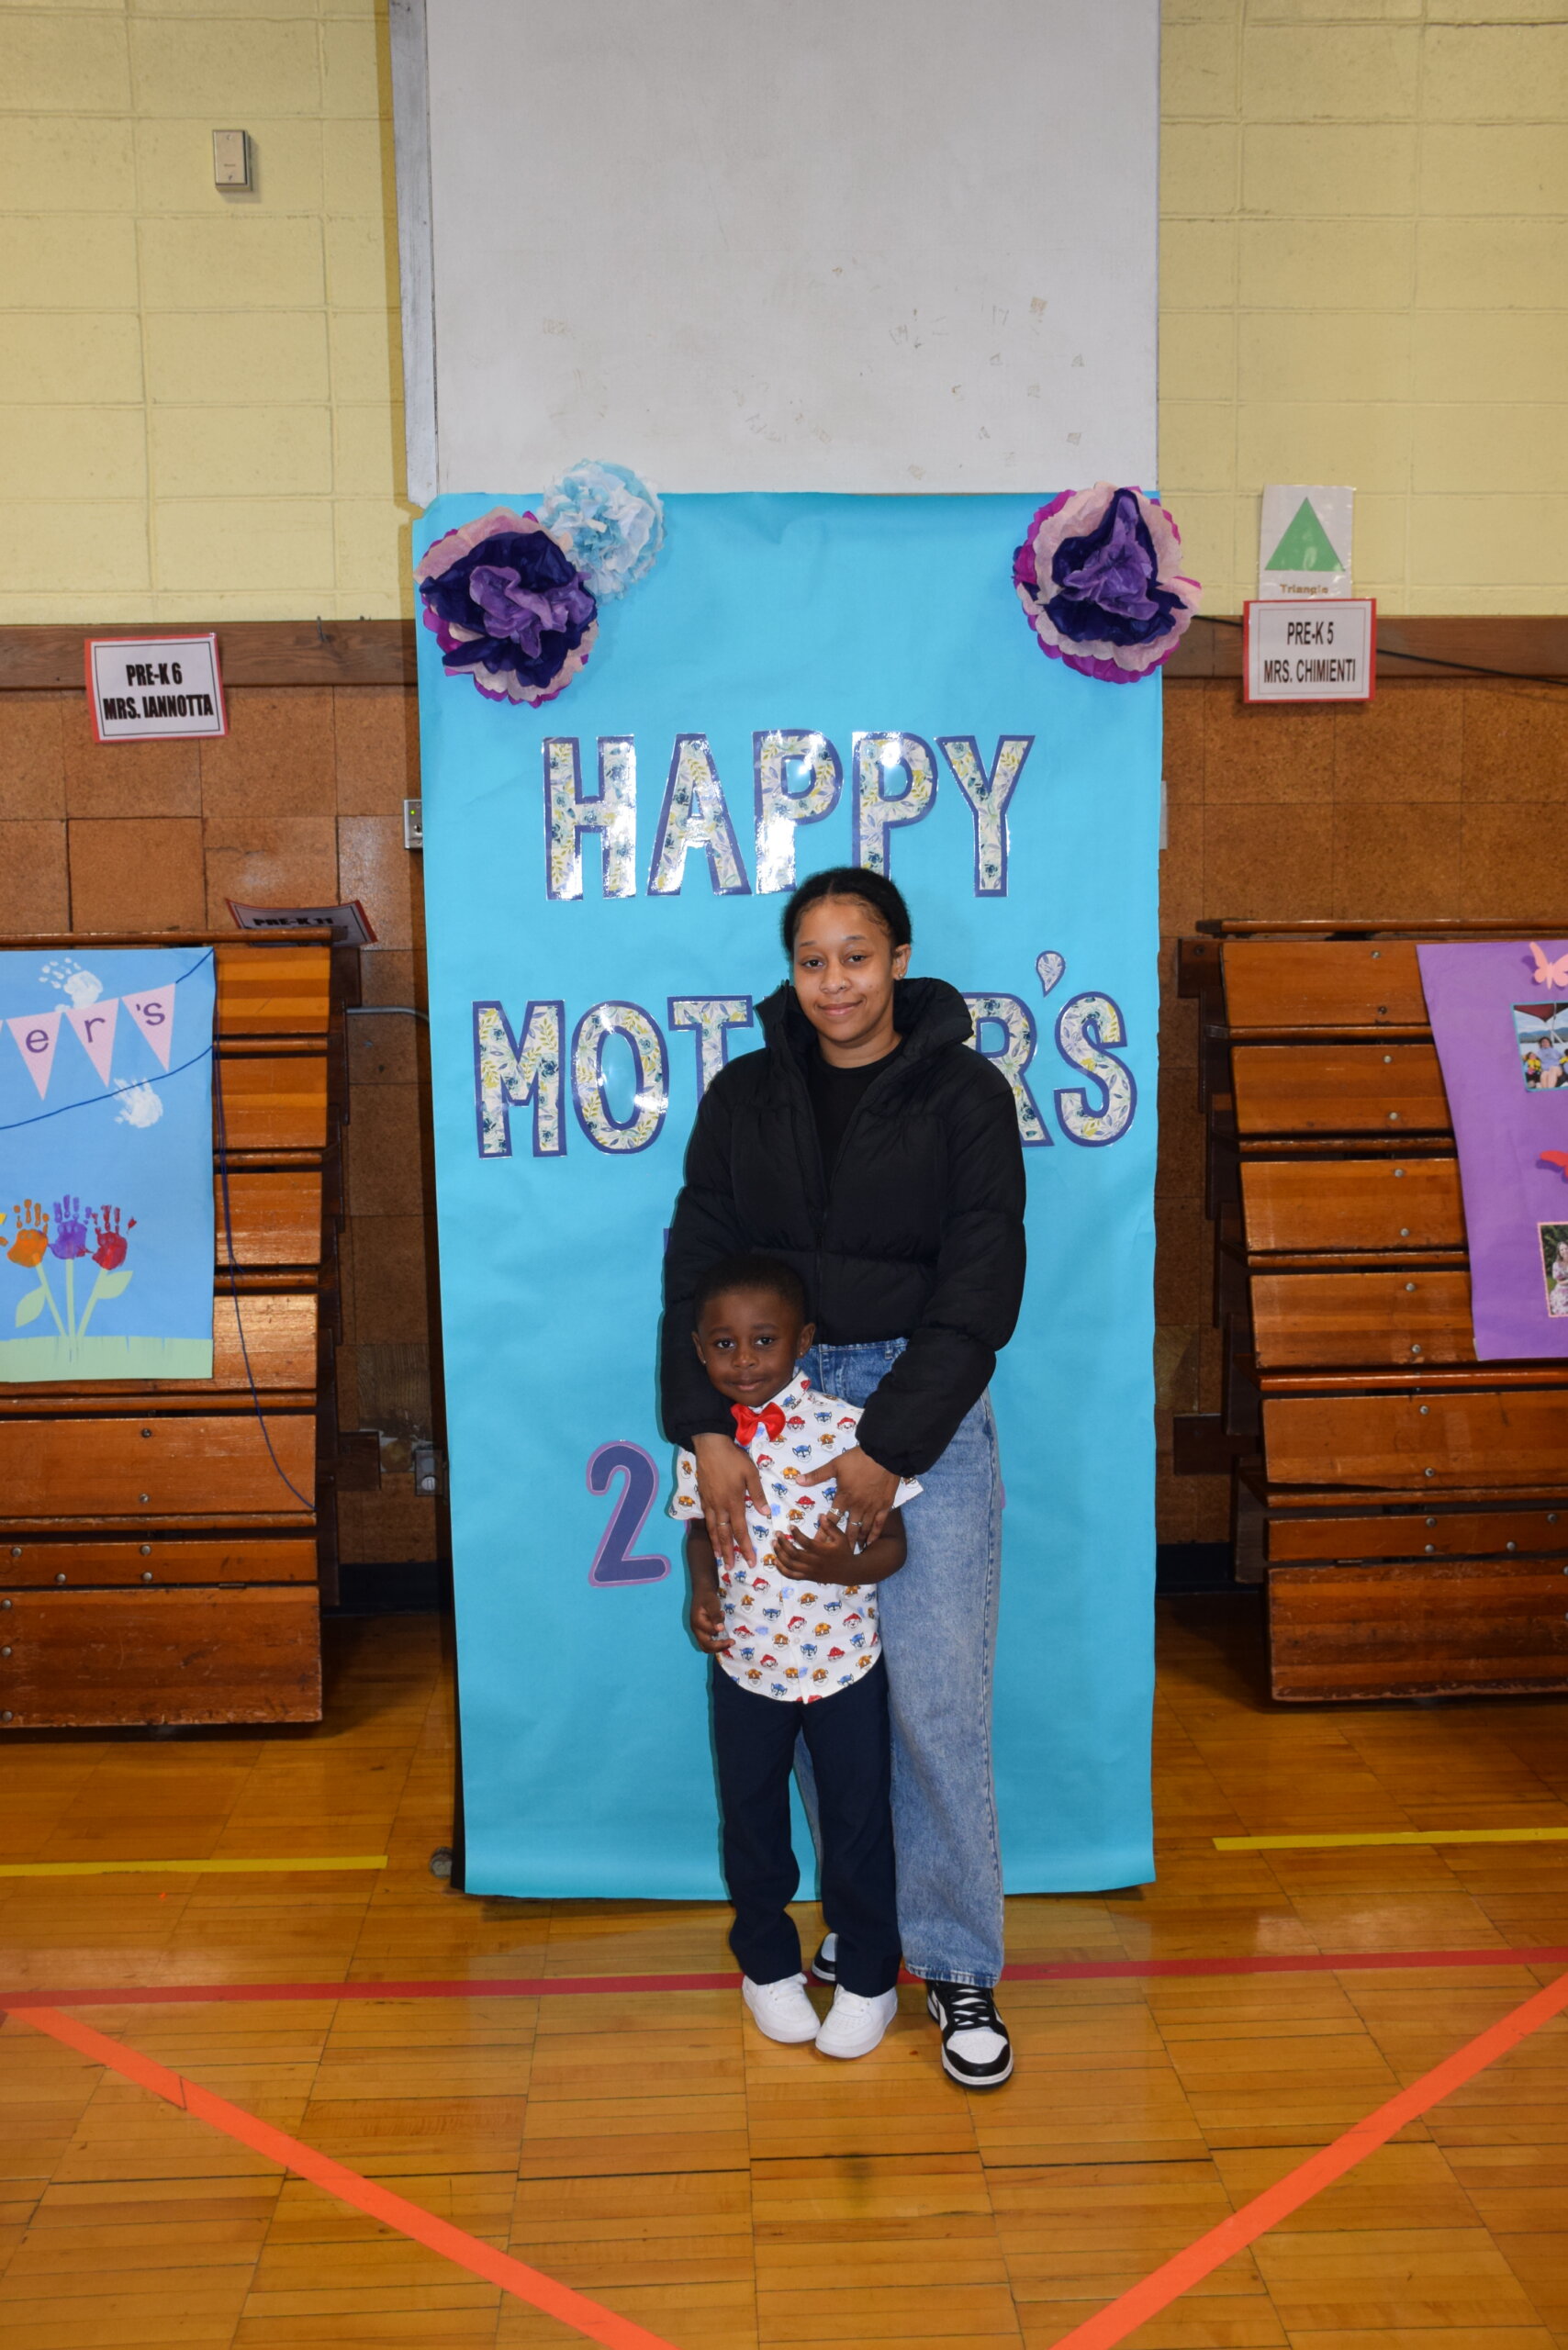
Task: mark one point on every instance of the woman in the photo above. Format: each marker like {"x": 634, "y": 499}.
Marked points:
{"x": 870, "y": 1147}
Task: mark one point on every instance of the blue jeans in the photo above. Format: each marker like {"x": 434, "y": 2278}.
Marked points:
{"x": 938, "y": 1617}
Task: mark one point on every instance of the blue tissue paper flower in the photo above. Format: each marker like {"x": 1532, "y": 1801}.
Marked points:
{"x": 610, "y": 524}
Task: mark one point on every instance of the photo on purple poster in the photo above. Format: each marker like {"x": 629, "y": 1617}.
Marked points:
{"x": 1554, "y": 1266}
{"x": 1542, "y": 1032}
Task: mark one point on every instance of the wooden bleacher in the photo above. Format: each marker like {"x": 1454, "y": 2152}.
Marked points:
{"x": 1405, "y": 1507}
{"x": 154, "y": 1566}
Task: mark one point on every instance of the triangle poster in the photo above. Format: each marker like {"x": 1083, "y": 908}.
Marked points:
{"x": 1306, "y": 545}
{"x": 1303, "y": 543}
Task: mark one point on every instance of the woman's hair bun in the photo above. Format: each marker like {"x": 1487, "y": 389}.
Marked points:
{"x": 873, "y": 890}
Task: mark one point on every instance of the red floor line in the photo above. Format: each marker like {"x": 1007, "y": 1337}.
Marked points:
{"x": 542, "y": 1986}
{"x": 1313, "y": 1962}
{"x": 1188, "y": 2268}
{"x": 480, "y": 2259}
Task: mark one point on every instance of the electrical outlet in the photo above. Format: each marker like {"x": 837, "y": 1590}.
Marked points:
{"x": 231, "y": 159}
{"x": 429, "y": 1469}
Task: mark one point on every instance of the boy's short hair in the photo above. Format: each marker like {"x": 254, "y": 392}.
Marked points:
{"x": 755, "y": 1274}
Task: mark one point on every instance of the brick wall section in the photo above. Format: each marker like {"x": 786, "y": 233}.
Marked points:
{"x": 1438, "y": 800}
{"x": 1434, "y": 801}
{"x": 302, "y": 802}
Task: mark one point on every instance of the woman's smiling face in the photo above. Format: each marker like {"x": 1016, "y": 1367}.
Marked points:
{"x": 844, "y": 966}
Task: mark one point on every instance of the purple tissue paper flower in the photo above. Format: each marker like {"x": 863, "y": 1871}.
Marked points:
{"x": 507, "y": 607}
{"x": 1097, "y": 579}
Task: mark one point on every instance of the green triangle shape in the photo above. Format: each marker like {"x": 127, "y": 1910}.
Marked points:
{"x": 1306, "y": 545}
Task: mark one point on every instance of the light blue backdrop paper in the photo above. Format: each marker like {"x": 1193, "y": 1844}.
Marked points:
{"x": 112, "y": 1163}
{"x": 584, "y": 1744}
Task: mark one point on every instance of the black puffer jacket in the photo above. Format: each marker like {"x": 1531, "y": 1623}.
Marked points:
{"x": 920, "y": 1237}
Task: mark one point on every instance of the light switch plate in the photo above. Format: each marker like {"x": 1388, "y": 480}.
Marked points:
{"x": 413, "y": 823}
{"x": 231, "y": 159}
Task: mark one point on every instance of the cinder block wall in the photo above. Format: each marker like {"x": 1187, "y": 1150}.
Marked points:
{"x": 198, "y": 390}
{"x": 1362, "y": 280}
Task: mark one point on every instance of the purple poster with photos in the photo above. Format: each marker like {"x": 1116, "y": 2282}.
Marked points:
{"x": 1499, "y": 1016}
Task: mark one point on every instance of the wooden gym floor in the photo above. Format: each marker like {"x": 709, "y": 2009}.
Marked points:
{"x": 706, "y": 2190}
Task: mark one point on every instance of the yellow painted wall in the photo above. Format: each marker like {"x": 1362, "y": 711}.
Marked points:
{"x": 198, "y": 389}
{"x": 1364, "y": 278}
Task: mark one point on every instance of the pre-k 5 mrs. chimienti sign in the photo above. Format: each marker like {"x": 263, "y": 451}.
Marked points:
{"x": 1321, "y": 649}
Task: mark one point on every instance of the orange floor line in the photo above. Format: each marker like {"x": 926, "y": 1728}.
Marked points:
{"x": 472, "y": 2253}
{"x": 1189, "y": 2267}
{"x": 1110, "y": 2326}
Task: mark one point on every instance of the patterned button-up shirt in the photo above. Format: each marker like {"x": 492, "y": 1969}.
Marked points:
{"x": 795, "y": 1641}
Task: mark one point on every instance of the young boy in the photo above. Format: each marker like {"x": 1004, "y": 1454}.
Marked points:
{"x": 796, "y": 1652}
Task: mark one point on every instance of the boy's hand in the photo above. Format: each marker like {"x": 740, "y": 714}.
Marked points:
{"x": 707, "y": 1621}
{"x": 828, "y": 1554}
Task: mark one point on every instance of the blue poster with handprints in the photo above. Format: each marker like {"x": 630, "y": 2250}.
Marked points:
{"x": 801, "y": 681}
{"x": 105, "y": 1164}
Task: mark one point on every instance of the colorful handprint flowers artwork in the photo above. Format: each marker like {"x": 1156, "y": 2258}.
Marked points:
{"x": 96, "y": 1233}
{"x": 107, "y": 1227}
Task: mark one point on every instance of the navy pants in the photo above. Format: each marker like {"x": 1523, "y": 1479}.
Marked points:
{"x": 848, "y": 1738}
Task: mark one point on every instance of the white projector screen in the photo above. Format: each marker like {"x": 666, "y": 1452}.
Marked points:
{"x": 782, "y": 244}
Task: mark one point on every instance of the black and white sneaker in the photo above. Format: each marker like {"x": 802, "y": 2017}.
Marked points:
{"x": 976, "y": 2050}
{"x": 824, "y": 1967}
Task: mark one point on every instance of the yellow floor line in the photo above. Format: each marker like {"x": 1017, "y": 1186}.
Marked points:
{"x": 187, "y": 1868}
{"x": 1390, "y": 1836}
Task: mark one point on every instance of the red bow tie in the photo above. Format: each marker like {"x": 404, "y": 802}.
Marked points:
{"x": 747, "y": 1422}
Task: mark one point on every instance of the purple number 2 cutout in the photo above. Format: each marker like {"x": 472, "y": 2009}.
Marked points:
{"x": 614, "y": 1561}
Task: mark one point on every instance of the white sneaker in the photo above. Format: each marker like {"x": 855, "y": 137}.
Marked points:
{"x": 854, "y": 2025}
{"x": 781, "y": 2011}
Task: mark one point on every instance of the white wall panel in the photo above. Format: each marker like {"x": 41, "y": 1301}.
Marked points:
{"x": 795, "y": 244}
